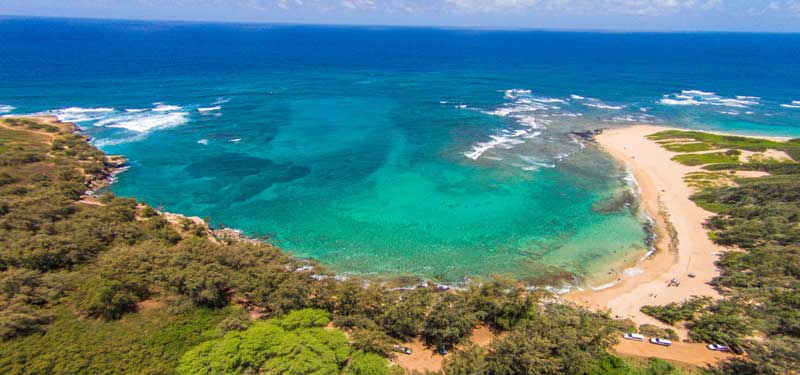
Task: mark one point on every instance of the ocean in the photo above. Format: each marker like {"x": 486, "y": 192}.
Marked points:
{"x": 443, "y": 154}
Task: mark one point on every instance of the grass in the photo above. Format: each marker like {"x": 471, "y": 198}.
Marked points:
{"x": 782, "y": 168}
{"x": 687, "y": 147}
{"x": 730, "y": 156}
{"x": 704, "y": 180}
{"x": 150, "y": 342}
{"x": 719, "y": 141}
{"x": 641, "y": 365}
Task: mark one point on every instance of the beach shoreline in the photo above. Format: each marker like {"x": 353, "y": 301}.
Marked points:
{"x": 683, "y": 247}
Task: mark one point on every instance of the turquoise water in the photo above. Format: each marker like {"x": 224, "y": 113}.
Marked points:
{"x": 435, "y": 153}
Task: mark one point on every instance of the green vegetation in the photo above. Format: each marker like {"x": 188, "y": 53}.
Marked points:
{"x": 295, "y": 344}
{"x": 730, "y": 156}
{"x": 705, "y": 180}
{"x": 109, "y": 286}
{"x": 760, "y": 217}
{"x": 779, "y": 168}
{"x": 612, "y": 365}
{"x": 557, "y": 340}
{"x": 687, "y": 147}
{"x": 676, "y": 139}
{"x": 674, "y": 312}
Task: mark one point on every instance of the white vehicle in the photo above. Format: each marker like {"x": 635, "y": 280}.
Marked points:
{"x": 633, "y": 336}
{"x": 717, "y": 347}
{"x": 402, "y": 349}
{"x": 660, "y": 341}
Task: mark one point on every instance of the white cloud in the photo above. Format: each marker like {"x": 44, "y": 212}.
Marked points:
{"x": 590, "y": 7}
{"x": 790, "y": 7}
{"x": 359, "y": 4}
{"x": 639, "y": 7}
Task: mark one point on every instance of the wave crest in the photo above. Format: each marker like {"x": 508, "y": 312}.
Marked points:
{"x": 699, "y": 98}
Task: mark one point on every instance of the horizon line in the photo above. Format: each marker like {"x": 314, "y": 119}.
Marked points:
{"x": 403, "y": 26}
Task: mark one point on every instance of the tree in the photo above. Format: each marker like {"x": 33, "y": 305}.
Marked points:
{"x": 468, "y": 361}
{"x": 109, "y": 299}
{"x": 405, "y": 318}
{"x": 368, "y": 364}
{"x": 449, "y": 322}
{"x": 372, "y": 341}
{"x": 293, "y": 345}
{"x": 561, "y": 340}
{"x": 721, "y": 325}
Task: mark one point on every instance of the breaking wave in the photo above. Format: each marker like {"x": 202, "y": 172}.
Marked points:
{"x": 698, "y": 98}
{"x": 794, "y": 105}
{"x": 209, "y": 109}
{"x": 520, "y": 106}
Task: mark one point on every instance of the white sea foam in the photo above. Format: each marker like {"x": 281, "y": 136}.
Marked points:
{"x": 78, "y": 114}
{"x": 633, "y": 118}
{"x": 669, "y": 101}
{"x": 209, "y": 109}
{"x": 236, "y": 140}
{"x": 528, "y": 111}
{"x": 697, "y": 93}
{"x": 698, "y": 98}
{"x": 633, "y": 271}
{"x": 550, "y": 100}
{"x": 794, "y": 105}
{"x": 144, "y": 124}
{"x": 577, "y": 97}
{"x": 4, "y": 108}
{"x": 534, "y": 163}
{"x": 161, "y": 107}
{"x": 203, "y": 141}
{"x": 604, "y": 286}
{"x": 496, "y": 141}
{"x": 86, "y": 110}
{"x": 135, "y": 110}
{"x": 601, "y": 105}
{"x": 221, "y": 101}
{"x": 565, "y": 114}
{"x": 516, "y": 93}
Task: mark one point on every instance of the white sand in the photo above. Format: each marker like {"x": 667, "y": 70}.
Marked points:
{"x": 663, "y": 190}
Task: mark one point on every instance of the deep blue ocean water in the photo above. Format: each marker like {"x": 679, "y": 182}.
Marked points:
{"x": 432, "y": 152}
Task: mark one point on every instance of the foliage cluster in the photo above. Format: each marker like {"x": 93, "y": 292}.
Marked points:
{"x": 760, "y": 219}
{"x": 114, "y": 288}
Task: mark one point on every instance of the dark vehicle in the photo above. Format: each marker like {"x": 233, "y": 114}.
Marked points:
{"x": 718, "y": 348}
{"x": 660, "y": 341}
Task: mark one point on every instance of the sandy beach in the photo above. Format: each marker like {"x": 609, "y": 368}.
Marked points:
{"x": 683, "y": 244}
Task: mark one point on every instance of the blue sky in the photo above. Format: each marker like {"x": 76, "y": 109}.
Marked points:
{"x": 704, "y": 15}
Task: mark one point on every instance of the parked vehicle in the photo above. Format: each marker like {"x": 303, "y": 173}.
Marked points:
{"x": 718, "y": 347}
{"x": 633, "y": 336}
{"x": 402, "y": 349}
{"x": 442, "y": 350}
{"x": 660, "y": 341}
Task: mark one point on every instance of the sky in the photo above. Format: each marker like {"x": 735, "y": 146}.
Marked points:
{"x": 626, "y": 15}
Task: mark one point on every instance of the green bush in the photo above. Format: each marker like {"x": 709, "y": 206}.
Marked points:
{"x": 295, "y": 344}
